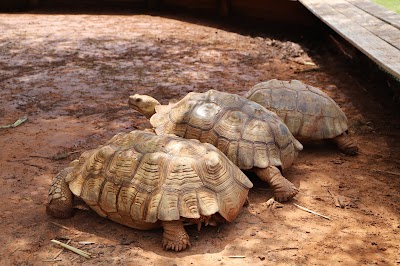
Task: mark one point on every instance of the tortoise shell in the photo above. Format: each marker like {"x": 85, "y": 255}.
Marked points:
{"x": 138, "y": 179}
{"x": 309, "y": 113}
{"x": 246, "y": 132}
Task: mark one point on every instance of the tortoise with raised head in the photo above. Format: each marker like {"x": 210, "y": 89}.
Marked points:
{"x": 309, "y": 113}
{"x": 145, "y": 181}
{"x": 252, "y": 137}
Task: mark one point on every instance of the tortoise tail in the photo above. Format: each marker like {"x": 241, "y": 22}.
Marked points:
{"x": 298, "y": 146}
{"x": 346, "y": 144}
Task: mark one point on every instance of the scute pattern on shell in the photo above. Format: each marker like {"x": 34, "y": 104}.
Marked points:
{"x": 246, "y": 132}
{"x": 139, "y": 178}
{"x": 309, "y": 113}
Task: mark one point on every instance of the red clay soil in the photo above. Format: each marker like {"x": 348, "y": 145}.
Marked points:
{"x": 71, "y": 75}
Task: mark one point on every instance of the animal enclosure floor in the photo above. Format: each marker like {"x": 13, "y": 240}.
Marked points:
{"x": 71, "y": 75}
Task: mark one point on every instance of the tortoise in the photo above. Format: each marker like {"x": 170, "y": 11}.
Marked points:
{"x": 309, "y": 113}
{"x": 146, "y": 181}
{"x": 252, "y": 137}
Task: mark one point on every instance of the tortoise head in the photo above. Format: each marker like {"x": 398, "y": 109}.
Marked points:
{"x": 144, "y": 104}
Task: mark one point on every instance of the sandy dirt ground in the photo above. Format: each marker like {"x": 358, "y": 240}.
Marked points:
{"x": 71, "y": 75}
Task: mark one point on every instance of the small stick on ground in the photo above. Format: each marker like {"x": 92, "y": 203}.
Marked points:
{"x": 74, "y": 259}
{"x": 340, "y": 46}
{"x": 237, "y": 257}
{"x": 16, "y": 123}
{"x": 52, "y": 260}
{"x": 307, "y": 70}
{"x": 85, "y": 243}
{"x": 303, "y": 62}
{"x": 15, "y": 250}
{"x": 58, "y": 254}
{"x": 58, "y": 156}
{"x": 18, "y": 160}
{"x": 385, "y": 172}
{"x": 76, "y": 250}
{"x": 280, "y": 249}
{"x": 219, "y": 228}
{"x": 62, "y": 226}
{"x": 34, "y": 165}
{"x": 313, "y": 212}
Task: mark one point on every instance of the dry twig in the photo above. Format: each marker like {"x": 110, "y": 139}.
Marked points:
{"x": 33, "y": 165}
{"x": 58, "y": 254}
{"x": 386, "y": 172}
{"x": 58, "y": 156}
{"x": 219, "y": 228}
{"x": 307, "y": 70}
{"x": 51, "y": 260}
{"x": 74, "y": 259}
{"x": 313, "y": 212}
{"x": 280, "y": 249}
{"x": 341, "y": 48}
{"x": 85, "y": 243}
{"x": 62, "y": 226}
{"x": 16, "y": 123}
{"x": 75, "y": 250}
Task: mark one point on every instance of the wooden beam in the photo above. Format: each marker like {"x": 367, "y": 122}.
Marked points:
{"x": 348, "y": 24}
{"x": 378, "y": 11}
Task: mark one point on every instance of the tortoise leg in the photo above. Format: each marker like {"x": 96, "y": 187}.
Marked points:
{"x": 60, "y": 198}
{"x": 346, "y": 144}
{"x": 283, "y": 188}
{"x": 175, "y": 236}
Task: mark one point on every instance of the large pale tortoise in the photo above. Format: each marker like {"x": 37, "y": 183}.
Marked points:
{"x": 251, "y": 136}
{"x": 309, "y": 113}
{"x": 145, "y": 181}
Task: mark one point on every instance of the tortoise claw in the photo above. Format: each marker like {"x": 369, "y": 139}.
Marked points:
{"x": 286, "y": 193}
{"x": 176, "y": 245}
{"x": 175, "y": 237}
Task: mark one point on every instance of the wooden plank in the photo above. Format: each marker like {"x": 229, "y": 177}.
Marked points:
{"x": 375, "y": 25}
{"x": 378, "y": 11}
{"x": 381, "y": 52}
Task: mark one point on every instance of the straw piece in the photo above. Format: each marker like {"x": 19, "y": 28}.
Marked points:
{"x": 58, "y": 254}
{"x": 62, "y": 226}
{"x": 16, "y": 123}
{"x": 76, "y": 250}
{"x": 86, "y": 242}
{"x": 313, "y": 212}
{"x": 51, "y": 260}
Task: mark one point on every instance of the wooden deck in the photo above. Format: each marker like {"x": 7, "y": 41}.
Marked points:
{"x": 372, "y": 29}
